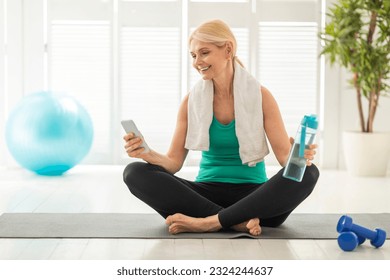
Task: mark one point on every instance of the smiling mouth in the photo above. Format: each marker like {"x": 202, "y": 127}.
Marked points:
{"x": 205, "y": 68}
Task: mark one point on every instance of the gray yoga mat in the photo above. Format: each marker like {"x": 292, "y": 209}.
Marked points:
{"x": 152, "y": 226}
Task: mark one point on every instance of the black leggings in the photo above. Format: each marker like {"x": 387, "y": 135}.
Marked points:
{"x": 168, "y": 194}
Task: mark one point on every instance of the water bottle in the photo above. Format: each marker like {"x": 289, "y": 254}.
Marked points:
{"x": 296, "y": 164}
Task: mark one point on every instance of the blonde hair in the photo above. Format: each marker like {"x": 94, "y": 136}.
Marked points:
{"x": 218, "y": 33}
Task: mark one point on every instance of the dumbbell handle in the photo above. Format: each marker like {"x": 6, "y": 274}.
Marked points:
{"x": 364, "y": 232}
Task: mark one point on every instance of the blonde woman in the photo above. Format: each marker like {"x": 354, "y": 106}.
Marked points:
{"x": 227, "y": 115}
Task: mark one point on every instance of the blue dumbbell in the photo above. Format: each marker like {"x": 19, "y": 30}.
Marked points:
{"x": 377, "y": 237}
{"x": 348, "y": 241}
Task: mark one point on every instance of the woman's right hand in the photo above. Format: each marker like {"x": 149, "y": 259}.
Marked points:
{"x": 133, "y": 146}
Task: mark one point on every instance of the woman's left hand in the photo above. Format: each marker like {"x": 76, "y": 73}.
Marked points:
{"x": 309, "y": 153}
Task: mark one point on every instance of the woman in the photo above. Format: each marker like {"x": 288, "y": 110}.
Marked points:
{"x": 227, "y": 116}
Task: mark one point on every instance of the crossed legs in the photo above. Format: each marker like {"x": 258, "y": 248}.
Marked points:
{"x": 204, "y": 207}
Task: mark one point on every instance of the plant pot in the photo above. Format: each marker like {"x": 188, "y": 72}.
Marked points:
{"x": 366, "y": 154}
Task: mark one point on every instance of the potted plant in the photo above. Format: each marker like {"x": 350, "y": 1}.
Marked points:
{"x": 357, "y": 37}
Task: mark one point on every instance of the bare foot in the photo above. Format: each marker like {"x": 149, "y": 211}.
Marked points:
{"x": 181, "y": 223}
{"x": 252, "y": 226}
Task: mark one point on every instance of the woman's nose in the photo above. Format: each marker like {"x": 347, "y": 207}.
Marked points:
{"x": 195, "y": 63}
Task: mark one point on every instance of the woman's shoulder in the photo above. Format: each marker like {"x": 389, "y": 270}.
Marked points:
{"x": 186, "y": 98}
{"x": 268, "y": 99}
{"x": 184, "y": 106}
{"x": 264, "y": 90}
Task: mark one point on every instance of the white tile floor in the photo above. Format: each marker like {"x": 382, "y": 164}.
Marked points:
{"x": 100, "y": 189}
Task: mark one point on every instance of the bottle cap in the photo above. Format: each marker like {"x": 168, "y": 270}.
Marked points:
{"x": 310, "y": 121}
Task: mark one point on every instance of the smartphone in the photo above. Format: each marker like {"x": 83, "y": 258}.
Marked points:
{"x": 129, "y": 126}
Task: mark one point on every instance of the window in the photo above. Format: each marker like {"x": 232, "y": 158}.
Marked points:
{"x": 79, "y": 64}
{"x": 129, "y": 59}
{"x": 3, "y": 75}
{"x": 288, "y": 67}
{"x": 150, "y": 89}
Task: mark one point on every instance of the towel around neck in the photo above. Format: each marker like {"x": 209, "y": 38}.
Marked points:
{"x": 248, "y": 116}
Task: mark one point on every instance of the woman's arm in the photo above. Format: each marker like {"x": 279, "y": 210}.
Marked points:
{"x": 174, "y": 159}
{"x": 274, "y": 127}
{"x": 276, "y": 132}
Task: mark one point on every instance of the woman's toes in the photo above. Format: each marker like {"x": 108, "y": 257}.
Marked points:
{"x": 253, "y": 226}
{"x": 255, "y": 231}
{"x": 172, "y": 229}
{"x": 168, "y": 220}
{"x": 252, "y": 223}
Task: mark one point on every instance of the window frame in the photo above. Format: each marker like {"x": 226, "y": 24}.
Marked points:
{"x": 26, "y": 29}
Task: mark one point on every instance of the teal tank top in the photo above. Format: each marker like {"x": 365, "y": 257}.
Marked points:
{"x": 222, "y": 162}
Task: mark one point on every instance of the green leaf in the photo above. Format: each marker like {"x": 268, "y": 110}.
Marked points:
{"x": 345, "y": 38}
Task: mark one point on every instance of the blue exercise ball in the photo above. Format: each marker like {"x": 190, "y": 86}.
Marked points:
{"x": 49, "y": 133}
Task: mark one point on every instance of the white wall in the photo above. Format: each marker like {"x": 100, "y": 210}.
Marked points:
{"x": 340, "y": 114}
{"x": 12, "y": 84}
{"x": 2, "y": 85}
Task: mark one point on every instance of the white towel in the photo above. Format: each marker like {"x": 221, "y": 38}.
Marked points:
{"x": 248, "y": 115}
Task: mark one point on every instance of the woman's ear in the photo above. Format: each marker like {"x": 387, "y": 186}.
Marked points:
{"x": 229, "y": 50}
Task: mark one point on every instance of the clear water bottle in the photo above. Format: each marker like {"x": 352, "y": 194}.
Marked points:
{"x": 296, "y": 164}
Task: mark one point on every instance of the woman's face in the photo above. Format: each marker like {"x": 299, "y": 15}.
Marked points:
{"x": 208, "y": 59}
